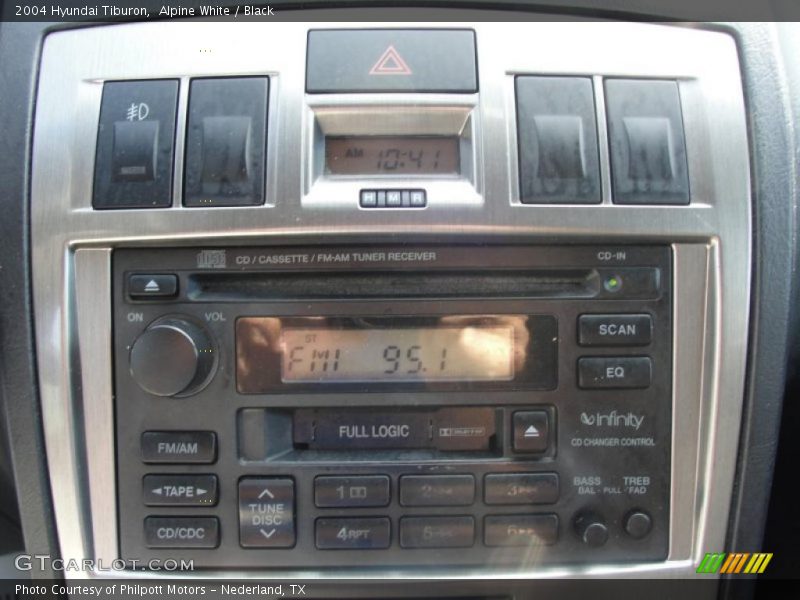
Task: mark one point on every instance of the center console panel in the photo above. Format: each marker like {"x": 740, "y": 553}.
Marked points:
{"x": 399, "y": 299}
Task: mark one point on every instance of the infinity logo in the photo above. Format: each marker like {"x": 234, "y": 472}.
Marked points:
{"x": 612, "y": 419}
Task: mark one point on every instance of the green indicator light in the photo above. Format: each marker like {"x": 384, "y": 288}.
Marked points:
{"x": 612, "y": 284}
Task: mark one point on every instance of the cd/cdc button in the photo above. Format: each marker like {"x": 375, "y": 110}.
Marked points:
{"x": 181, "y": 532}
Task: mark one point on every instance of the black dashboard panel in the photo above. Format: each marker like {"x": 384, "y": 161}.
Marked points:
{"x": 566, "y": 455}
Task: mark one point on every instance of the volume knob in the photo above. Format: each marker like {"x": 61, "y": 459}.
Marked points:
{"x": 173, "y": 357}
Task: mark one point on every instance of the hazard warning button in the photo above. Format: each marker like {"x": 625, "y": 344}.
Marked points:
{"x": 391, "y": 60}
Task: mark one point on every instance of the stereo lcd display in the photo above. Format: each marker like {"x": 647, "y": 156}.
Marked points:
{"x": 392, "y": 155}
{"x": 413, "y": 354}
{"x": 306, "y": 353}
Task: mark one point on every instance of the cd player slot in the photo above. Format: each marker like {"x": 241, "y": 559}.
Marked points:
{"x": 544, "y": 283}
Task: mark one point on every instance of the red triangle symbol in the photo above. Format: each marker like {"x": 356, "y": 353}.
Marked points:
{"x": 390, "y": 63}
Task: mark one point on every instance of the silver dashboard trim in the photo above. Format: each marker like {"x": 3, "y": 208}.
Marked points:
{"x": 72, "y": 244}
{"x": 95, "y": 351}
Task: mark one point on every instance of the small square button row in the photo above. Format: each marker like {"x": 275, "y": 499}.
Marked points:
{"x": 459, "y": 490}
{"x": 364, "y": 533}
{"x": 375, "y": 533}
{"x": 393, "y": 199}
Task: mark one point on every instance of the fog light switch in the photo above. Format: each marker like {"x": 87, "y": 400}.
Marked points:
{"x": 134, "y": 157}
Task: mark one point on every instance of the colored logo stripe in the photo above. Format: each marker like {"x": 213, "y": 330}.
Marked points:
{"x": 734, "y": 562}
{"x": 758, "y": 563}
{"x": 711, "y": 563}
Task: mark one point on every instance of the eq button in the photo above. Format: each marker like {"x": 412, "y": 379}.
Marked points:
{"x": 614, "y": 372}
{"x": 615, "y": 330}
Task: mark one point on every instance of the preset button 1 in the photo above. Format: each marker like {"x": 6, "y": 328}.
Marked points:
{"x": 351, "y": 491}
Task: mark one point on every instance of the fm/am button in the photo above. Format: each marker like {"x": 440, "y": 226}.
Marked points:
{"x": 179, "y": 447}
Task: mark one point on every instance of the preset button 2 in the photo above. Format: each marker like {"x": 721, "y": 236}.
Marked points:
{"x": 437, "y": 490}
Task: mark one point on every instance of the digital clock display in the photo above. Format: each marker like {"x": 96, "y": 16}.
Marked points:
{"x": 392, "y": 155}
{"x": 418, "y": 354}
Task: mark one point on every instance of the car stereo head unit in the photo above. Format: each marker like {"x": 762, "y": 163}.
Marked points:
{"x": 455, "y": 405}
